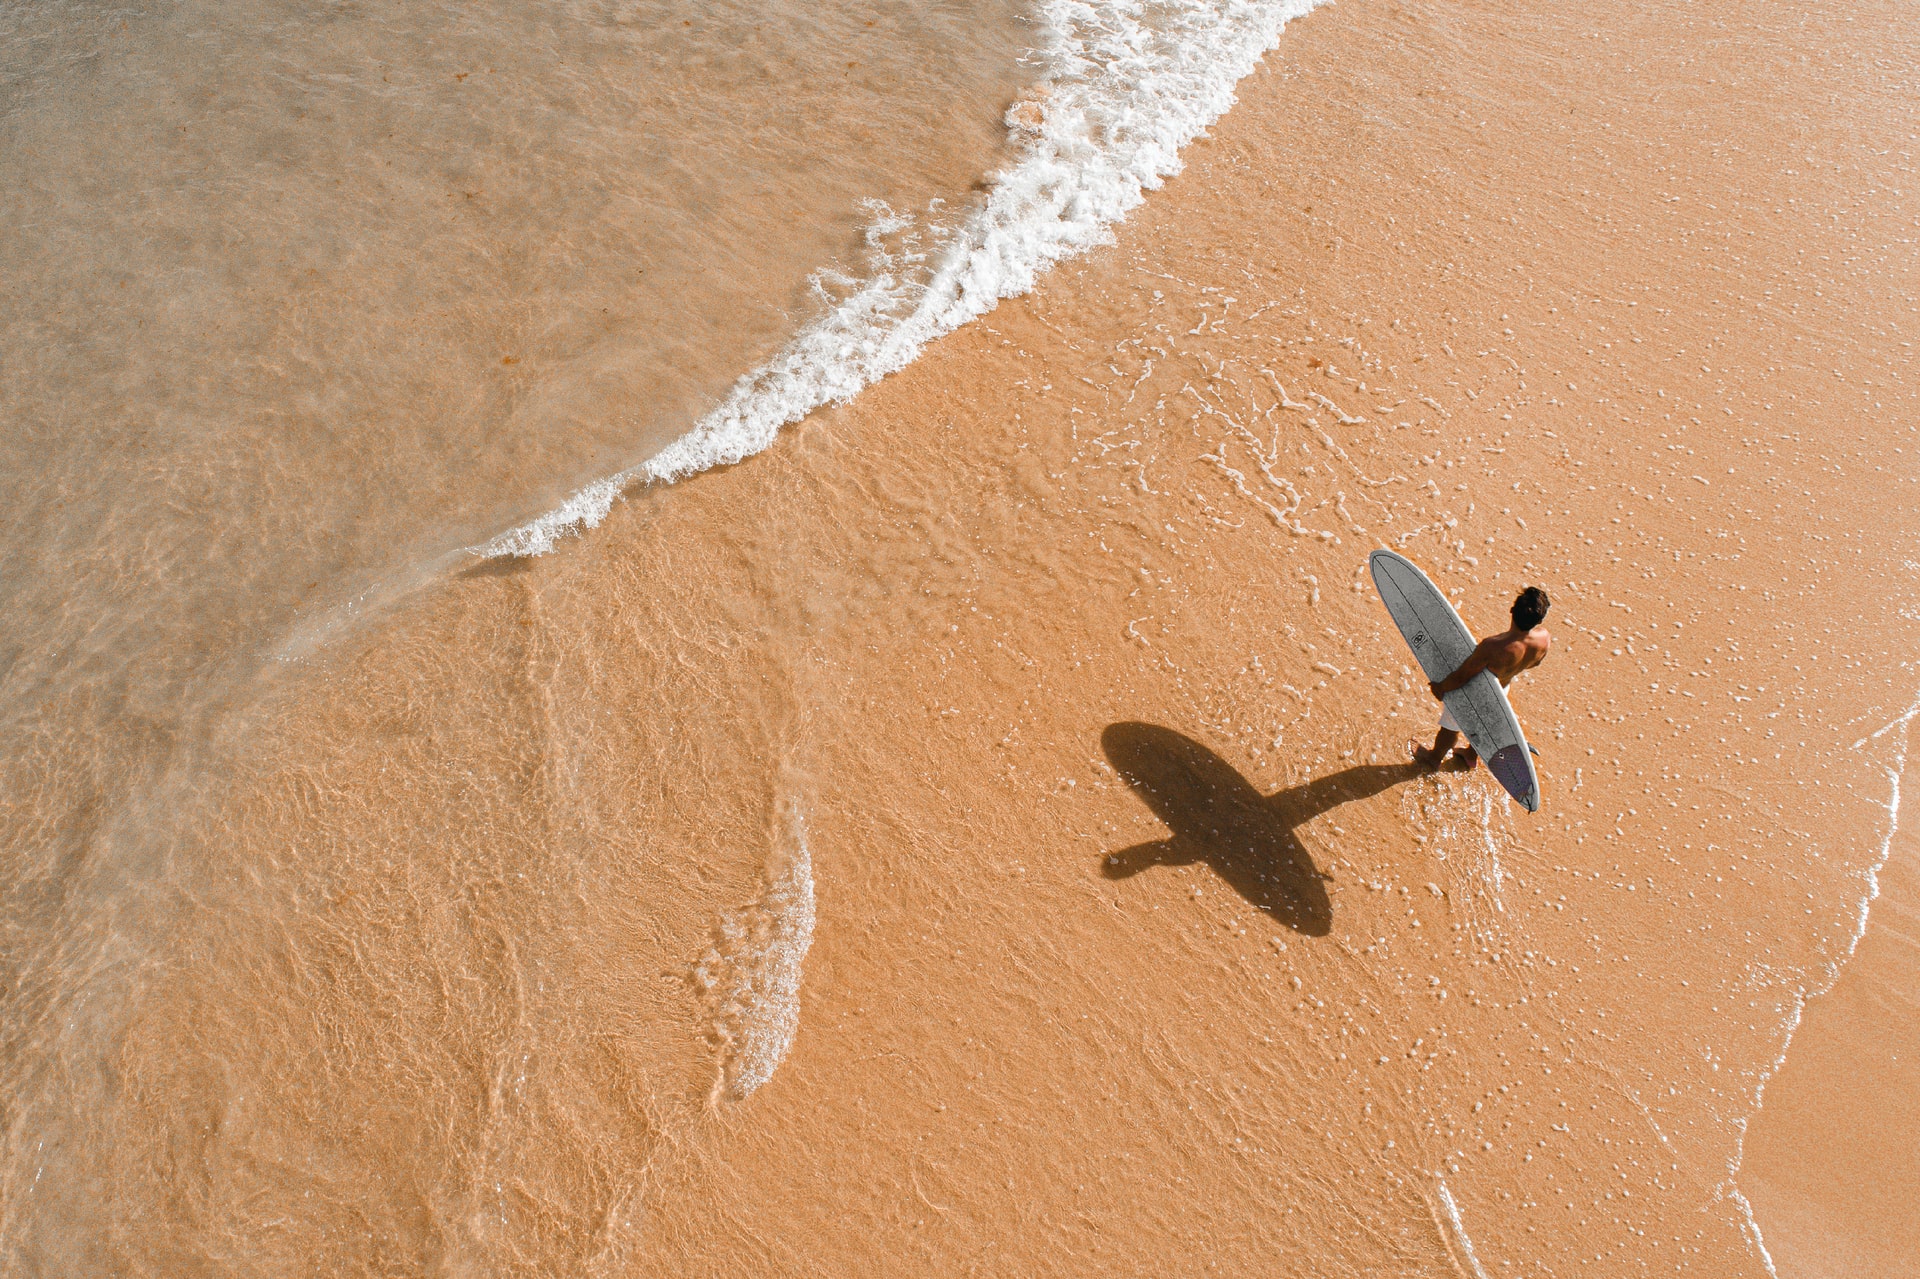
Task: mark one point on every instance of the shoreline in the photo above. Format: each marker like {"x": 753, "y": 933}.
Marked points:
{"x": 1849, "y": 1097}
{"x": 1100, "y": 129}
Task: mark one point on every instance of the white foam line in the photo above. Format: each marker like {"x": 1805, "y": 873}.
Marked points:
{"x": 1460, "y": 1231}
{"x": 1128, "y": 84}
{"x": 1727, "y": 1188}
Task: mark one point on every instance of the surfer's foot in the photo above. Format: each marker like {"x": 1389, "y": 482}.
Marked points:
{"x": 1466, "y": 757}
{"x": 1436, "y": 755}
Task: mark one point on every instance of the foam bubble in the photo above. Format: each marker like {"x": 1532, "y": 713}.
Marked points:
{"x": 1127, "y": 85}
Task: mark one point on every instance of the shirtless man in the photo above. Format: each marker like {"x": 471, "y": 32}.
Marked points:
{"x": 1506, "y": 655}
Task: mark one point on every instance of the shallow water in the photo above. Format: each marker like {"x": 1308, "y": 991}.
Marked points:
{"x": 301, "y": 301}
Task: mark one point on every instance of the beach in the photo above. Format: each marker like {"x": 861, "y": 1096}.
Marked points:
{"x": 975, "y": 833}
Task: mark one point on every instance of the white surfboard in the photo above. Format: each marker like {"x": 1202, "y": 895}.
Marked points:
{"x": 1440, "y": 642}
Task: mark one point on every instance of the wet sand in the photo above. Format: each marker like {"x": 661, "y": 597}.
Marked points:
{"x": 1829, "y": 1164}
{"x": 1050, "y": 670}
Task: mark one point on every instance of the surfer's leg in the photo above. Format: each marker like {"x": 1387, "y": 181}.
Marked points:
{"x": 1430, "y": 757}
{"x": 1465, "y": 756}
{"x": 1443, "y": 741}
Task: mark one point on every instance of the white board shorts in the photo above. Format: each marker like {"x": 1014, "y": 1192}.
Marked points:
{"x": 1446, "y": 720}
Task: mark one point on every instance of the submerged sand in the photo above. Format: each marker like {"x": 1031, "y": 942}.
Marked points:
{"x": 975, "y": 836}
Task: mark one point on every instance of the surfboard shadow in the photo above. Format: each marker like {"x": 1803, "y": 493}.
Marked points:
{"x": 1217, "y": 817}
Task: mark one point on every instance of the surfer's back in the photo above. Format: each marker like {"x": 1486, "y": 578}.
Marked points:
{"x": 1514, "y": 651}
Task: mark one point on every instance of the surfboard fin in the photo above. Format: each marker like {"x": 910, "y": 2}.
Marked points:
{"x": 1534, "y": 749}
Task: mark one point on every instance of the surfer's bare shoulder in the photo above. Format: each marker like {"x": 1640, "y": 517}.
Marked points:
{"x": 1516, "y": 651}
{"x": 1533, "y": 647}
{"x": 1505, "y": 654}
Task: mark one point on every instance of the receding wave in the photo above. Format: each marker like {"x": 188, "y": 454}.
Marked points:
{"x": 1127, "y": 85}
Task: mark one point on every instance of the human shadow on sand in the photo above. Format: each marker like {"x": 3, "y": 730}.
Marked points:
{"x": 1217, "y": 817}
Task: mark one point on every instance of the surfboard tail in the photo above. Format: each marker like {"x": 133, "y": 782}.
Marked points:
{"x": 1509, "y": 768}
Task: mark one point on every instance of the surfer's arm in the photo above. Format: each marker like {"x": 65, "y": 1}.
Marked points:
{"x": 1477, "y": 661}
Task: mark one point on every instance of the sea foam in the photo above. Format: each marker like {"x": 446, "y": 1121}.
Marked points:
{"x": 1126, "y": 86}
{"x": 752, "y": 974}
{"x": 1459, "y": 1230}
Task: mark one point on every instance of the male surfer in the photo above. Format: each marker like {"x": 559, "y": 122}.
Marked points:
{"x": 1506, "y": 655}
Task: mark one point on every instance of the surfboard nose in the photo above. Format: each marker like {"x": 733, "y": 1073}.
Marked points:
{"x": 1509, "y": 768}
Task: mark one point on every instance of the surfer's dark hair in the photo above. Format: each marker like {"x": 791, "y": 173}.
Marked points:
{"x": 1530, "y": 608}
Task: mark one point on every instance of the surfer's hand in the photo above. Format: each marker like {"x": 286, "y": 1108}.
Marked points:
{"x": 1433, "y": 686}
